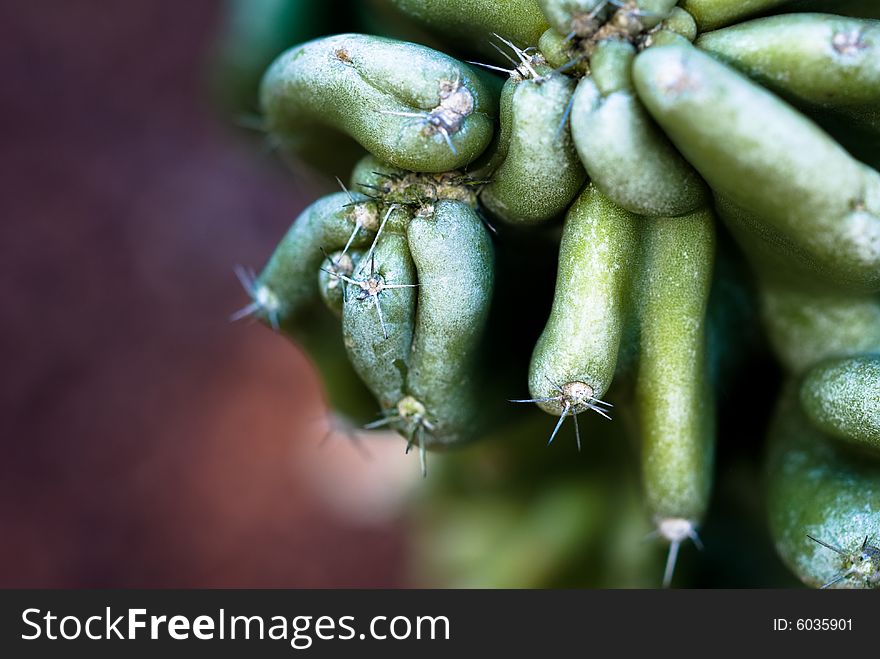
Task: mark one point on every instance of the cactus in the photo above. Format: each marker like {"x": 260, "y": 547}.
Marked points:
{"x": 666, "y": 159}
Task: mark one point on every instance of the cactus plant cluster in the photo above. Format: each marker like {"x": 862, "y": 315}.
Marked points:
{"x": 664, "y": 158}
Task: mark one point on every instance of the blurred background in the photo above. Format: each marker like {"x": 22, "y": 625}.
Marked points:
{"x": 148, "y": 442}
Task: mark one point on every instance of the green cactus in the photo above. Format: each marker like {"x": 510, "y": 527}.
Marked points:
{"x": 665, "y": 159}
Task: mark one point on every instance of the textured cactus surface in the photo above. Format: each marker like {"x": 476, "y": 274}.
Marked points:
{"x": 604, "y": 220}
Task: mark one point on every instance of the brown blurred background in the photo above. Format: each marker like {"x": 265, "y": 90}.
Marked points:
{"x": 146, "y": 441}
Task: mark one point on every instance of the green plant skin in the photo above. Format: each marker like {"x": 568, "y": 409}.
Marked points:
{"x": 674, "y": 399}
{"x": 736, "y": 134}
{"x": 814, "y": 60}
{"x": 611, "y": 66}
{"x": 581, "y": 340}
{"x": 842, "y": 398}
{"x": 559, "y": 52}
{"x": 562, "y": 13}
{"x": 655, "y": 11}
{"x": 471, "y": 23}
{"x": 680, "y": 22}
{"x": 370, "y": 171}
{"x": 777, "y": 258}
{"x": 816, "y": 487}
{"x": 492, "y": 158}
{"x": 559, "y": 13}
{"x": 806, "y": 213}
{"x": 454, "y": 258}
{"x": 805, "y": 328}
{"x": 625, "y": 154}
{"x": 289, "y": 279}
{"x": 330, "y": 286}
{"x": 380, "y": 360}
{"x": 350, "y": 83}
{"x": 714, "y": 14}
{"x": 540, "y": 172}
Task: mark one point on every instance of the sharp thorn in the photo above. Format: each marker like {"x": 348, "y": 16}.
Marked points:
{"x": 244, "y": 312}
{"x": 503, "y": 54}
{"x": 345, "y": 190}
{"x": 372, "y": 425}
{"x": 558, "y": 424}
{"x": 251, "y": 122}
{"x": 354, "y": 233}
{"x": 370, "y": 253}
{"x": 416, "y": 115}
{"x": 445, "y": 134}
{"x": 493, "y": 68}
{"x": 410, "y": 438}
{"x": 245, "y": 278}
{"x": 423, "y": 458}
{"x": 828, "y": 546}
{"x": 600, "y": 411}
{"x": 840, "y": 577}
{"x": 671, "y": 559}
{"x": 564, "y": 119}
{"x": 381, "y": 319}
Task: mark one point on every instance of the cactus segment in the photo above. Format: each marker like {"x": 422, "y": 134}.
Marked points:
{"x": 410, "y": 106}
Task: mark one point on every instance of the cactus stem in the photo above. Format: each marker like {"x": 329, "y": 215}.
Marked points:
{"x": 456, "y": 104}
{"x": 341, "y": 263}
{"x": 371, "y": 287}
{"x": 369, "y": 255}
{"x": 576, "y": 397}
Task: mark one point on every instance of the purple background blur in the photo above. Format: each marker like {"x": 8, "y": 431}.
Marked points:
{"x": 145, "y": 441}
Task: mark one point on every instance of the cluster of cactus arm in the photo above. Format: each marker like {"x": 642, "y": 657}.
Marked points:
{"x": 641, "y": 123}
